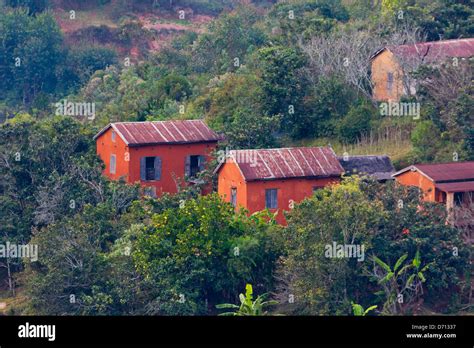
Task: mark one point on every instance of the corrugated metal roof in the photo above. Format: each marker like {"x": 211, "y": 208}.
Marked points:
{"x": 436, "y": 50}
{"x": 465, "y": 186}
{"x": 444, "y": 172}
{"x": 298, "y": 162}
{"x": 163, "y": 132}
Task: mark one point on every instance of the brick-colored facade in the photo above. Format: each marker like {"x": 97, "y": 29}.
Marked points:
{"x": 173, "y": 159}
{"x": 387, "y": 77}
{"x": 289, "y": 177}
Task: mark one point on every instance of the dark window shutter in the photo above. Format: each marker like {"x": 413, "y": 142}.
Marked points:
{"x": 143, "y": 168}
{"x": 113, "y": 164}
{"x": 271, "y": 198}
{"x": 202, "y": 163}
{"x": 187, "y": 166}
{"x": 233, "y": 196}
{"x": 157, "y": 168}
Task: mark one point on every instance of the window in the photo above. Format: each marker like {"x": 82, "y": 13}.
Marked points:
{"x": 458, "y": 198}
{"x": 271, "y": 196}
{"x": 194, "y": 164}
{"x": 113, "y": 136}
{"x": 150, "y": 168}
{"x": 233, "y": 196}
{"x": 113, "y": 164}
{"x": 389, "y": 81}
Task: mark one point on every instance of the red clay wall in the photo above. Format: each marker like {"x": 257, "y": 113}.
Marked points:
{"x": 288, "y": 190}
{"x": 105, "y": 147}
{"x": 173, "y": 157}
{"x": 128, "y": 160}
{"x": 410, "y": 178}
{"x": 251, "y": 195}
{"x": 384, "y": 63}
{"x": 229, "y": 177}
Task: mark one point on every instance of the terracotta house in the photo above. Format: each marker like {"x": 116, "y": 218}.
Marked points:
{"x": 156, "y": 154}
{"x": 387, "y": 74}
{"x": 276, "y": 178}
{"x": 449, "y": 183}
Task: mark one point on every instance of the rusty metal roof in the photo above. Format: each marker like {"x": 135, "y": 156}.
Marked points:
{"x": 463, "y": 186}
{"x": 297, "y": 162}
{"x": 163, "y": 132}
{"x": 436, "y": 50}
{"x": 444, "y": 172}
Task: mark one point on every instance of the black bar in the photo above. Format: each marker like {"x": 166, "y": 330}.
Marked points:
{"x": 243, "y": 331}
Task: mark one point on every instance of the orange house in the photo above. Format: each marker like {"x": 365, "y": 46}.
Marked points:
{"x": 159, "y": 155}
{"x": 275, "y": 179}
{"x": 449, "y": 183}
{"x": 389, "y": 65}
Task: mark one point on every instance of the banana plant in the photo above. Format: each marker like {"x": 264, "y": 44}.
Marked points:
{"x": 248, "y": 307}
{"x": 358, "y": 310}
{"x": 403, "y": 279}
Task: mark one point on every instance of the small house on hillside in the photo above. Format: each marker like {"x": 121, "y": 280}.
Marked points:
{"x": 378, "y": 167}
{"x": 156, "y": 154}
{"x": 276, "y": 178}
{"x": 388, "y": 64}
{"x": 449, "y": 183}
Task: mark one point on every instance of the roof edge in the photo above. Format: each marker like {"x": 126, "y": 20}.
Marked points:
{"x": 404, "y": 170}
{"x": 106, "y": 128}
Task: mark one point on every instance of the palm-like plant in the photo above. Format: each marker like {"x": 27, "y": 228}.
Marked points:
{"x": 358, "y": 310}
{"x": 248, "y": 307}
{"x": 400, "y": 280}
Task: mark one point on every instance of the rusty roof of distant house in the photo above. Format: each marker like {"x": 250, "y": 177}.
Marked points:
{"x": 434, "y": 50}
{"x": 379, "y": 167}
{"x": 162, "y": 132}
{"x": 444, "y": 172}
{"x": 286, "y": 163}
{"x": 463, "y": 186}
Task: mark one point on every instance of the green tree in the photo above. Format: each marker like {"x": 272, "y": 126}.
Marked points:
{"x": 282, "y": 84}
{"x": 356, "y": 123}
{"x": 229, "y": 41}
{"x": 319, "y": 283}
{"x": 197, "y": 255}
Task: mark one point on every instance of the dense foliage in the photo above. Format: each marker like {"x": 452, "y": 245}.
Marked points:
{"x": 267, "y": 74}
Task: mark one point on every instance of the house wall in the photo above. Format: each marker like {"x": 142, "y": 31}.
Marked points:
{"x": 173, "y": 161}
{"x": 382, "y": 64}
{"x": 431, "y": 194}
{"x": 251, "y": 195}
{"x": 288, "y": 190}
{"x": 173, "y": 157}
{"x": 106, "y": 147}
{"x": 229, "y": 177}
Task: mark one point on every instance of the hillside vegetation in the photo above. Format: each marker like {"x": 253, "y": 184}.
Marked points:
{"x": 264, "y": 74}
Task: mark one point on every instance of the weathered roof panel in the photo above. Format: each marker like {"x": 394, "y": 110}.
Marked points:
{"x": 444, "y": 172}
{"x": 464, "y": 186}
{"x": 436, "y": 50}
{"x": 162, "y": 132}
{"x": 298, "y": 162}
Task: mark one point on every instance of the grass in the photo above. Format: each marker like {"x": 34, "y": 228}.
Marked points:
{"x": 15, "y": 305}
{"x": 392, "y": 141}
